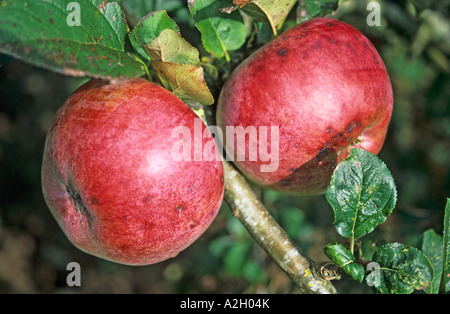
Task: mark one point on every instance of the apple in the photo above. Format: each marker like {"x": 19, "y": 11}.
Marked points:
{"x": 111, "y": 182}
{"x": 325, "y": 89}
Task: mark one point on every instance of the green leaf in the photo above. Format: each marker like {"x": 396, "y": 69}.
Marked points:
{"x": 148, "y": 29}
{"x": 177, "y": 65}
{"x": 309, "y": 9}
{"x": 85, "y": 39}
{"x": 430, "y": 244}
{"x": 345, "y": 259}
{"x": 169, "y": 46}
{"x": 272, "y": 12}
{"x": 220, "y": 32}
{"x": 362, "y": 193}
{"x": 184, "y": 80}
{"x": 402, "y": 269}
{"x": 446, "y": 244}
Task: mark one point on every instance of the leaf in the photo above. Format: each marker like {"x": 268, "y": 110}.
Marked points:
{"x": 220, "y": 32}
{"x": 403, "y": 269}
{"x": 169, "y": 46}
{"x": 272, "y": 12}
{"x": 362, "y": 193}
{"x": 184, "y": 80}
{"x": 309, "y": 9}
{"x": 430, "y": 244}
{"x": 177, "y": 65}
{"x": 345, "y": 259}
{"x": 446, "y": 244}
{"x": 87, "y": 39}
{"x": 148, "y": 29}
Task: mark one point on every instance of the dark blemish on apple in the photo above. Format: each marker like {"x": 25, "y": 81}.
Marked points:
{"x": 179, "y": 208}
{"x": 330, "y": 24}
{"x": 93, "y": 201}
{"x": 338, "y": 136}
{"x": 331, "y": 40}
{"x": 329, "y": 130}
{"x": 193, "y": 224}
{"x": 79, "y": 204}
{"x": 284, "y": 182}
{"x": 259, "y": 68}
{"x": 352, "y": 126}
{"x": 375, "y": 59}
{"x": 282, "y": 52}
{"x": 147, "y": 200}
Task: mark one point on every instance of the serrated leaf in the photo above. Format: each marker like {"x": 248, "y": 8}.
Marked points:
{"x": 446, "y": 244}
{"x": 184, "y": 80}
{"x": 403, "y": 269}
{"x": 272, "y": 12}
{"x": 310, "y": 9}
{"x": 430, "y": 244}
{"x": 148, "y": 29}
{"x": 52, "y": 34}
{"x": 362, "y": 193}
{"x": 220, "y": 32}
{"x": 346, "y": 260}
{"x": 169, "y": 46}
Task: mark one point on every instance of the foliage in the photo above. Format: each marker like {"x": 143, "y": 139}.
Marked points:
{"x": 191, "y": 47}
{"x": 363, "y": 194}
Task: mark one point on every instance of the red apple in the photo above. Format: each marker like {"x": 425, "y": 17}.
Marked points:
{"x": 111, "y": 182}
{"x": 324, "y": 88}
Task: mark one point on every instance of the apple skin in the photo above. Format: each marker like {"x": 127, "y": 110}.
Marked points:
{"x": 109, "y": 179}
{"x": 326, "y": 88}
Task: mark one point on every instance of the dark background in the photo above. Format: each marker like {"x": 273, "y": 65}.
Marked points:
{"x": 414, "y": 42}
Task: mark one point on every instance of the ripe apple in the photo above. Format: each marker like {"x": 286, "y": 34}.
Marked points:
{"x": 109, "y": 178}
{"x": 326, "y": 89}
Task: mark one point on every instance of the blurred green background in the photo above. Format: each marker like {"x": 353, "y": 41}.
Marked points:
{"x": 414, "y": 42}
